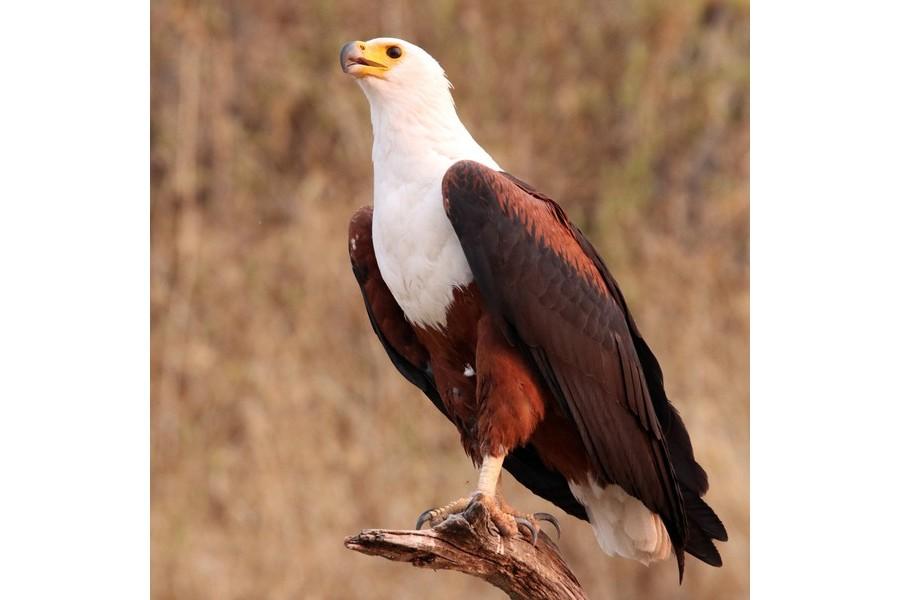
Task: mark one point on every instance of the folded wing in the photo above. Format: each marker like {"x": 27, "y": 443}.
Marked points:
{"x": 538, "y": 280}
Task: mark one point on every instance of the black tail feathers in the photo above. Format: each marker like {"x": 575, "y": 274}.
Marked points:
{"x": 703, "y": 527}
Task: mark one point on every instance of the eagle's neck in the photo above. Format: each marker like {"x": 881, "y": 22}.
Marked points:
{"x": 419, "y": 135}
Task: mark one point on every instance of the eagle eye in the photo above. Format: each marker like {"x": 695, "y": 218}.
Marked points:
{"x": 394, "y": 52}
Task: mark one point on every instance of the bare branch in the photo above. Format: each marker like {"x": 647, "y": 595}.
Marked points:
{"x": 470, "y": 543}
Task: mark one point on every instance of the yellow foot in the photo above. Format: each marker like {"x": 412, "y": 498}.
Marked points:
{"x": 436, "y": 516}
{"x": 529, "y": 521}
{"x": 505, "y": 518}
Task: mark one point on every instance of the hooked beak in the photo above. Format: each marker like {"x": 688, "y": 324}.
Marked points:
{"x": 356, "y": 62}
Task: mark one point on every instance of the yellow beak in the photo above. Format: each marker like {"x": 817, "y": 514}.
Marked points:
{"x": 358, "y": 61}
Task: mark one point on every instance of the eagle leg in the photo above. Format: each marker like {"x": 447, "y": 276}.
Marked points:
{"x": 487, "y": 488}
{"x": 505, "y": 518}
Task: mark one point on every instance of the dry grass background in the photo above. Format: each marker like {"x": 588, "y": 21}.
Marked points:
{"x": 278, "y": 424}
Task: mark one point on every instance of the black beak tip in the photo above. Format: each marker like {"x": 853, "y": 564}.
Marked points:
{"x": 345, "y": 51}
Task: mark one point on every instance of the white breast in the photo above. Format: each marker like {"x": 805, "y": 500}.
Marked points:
{"x": 416, "y": 139}
{"x": 418, "y": 253}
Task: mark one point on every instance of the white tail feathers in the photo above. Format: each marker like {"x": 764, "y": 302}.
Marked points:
{"x": 622, "y": 524}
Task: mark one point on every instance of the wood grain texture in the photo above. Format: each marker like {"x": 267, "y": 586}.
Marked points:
{"x": 469, "y": 543}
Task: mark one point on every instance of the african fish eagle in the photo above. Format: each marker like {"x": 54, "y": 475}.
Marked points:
{"x": 487, "y": 298}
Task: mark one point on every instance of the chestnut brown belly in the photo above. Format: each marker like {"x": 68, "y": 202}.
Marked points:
{"x": 494, "y": 394}
{"x": 451, "y": 351}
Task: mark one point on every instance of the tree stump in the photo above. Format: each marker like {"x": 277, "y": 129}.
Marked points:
{"x": 470, "y": 543}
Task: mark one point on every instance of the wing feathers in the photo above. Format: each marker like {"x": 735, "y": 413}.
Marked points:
{"x": 690, "y": 475}
{"x": 540, "y": 276}
{"x": 560, "y": 308}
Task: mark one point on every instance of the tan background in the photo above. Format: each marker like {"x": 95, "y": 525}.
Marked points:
{"x": 278, "y": 424}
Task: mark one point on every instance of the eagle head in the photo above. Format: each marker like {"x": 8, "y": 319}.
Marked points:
{"x": 393, "y": 69}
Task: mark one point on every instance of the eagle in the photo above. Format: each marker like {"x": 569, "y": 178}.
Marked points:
{"x": 493, "y": 303}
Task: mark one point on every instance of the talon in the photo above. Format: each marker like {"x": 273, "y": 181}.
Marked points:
{"x": 530, "y": 527}
{"x": 425, "y": 517}
{"x": 542, "y": 516}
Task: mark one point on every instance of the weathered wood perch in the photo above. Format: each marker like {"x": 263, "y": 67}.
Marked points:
{"x": 470, "y": 543}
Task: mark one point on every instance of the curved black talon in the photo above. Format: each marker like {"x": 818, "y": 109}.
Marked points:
{"x": 424, "y": 518}
{"x": 542, "y": 516}
{"x": 530, "y": 527}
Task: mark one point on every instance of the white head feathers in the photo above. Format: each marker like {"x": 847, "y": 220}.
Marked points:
{"x": 409, "y": 96}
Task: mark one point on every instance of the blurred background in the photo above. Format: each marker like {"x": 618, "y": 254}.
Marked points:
{"x": 279, "y": 425}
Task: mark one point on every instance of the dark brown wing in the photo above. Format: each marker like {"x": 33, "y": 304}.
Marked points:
{"x": 411, "y": 359}
{"x": 537, "y": 279}
{"x": 703, "y": 523}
